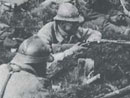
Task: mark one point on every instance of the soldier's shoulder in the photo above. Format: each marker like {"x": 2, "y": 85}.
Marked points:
{"x": 82, "y": 29}
{"x": 27, "y": 84}
{"x": 49, "y": 24}
{"x": 47, "y": 27}
{"x": 30, "y": 80}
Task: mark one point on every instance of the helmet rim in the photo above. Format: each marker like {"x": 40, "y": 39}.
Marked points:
{"x": 79, "y": 19}
{"x": 24, "y": 59}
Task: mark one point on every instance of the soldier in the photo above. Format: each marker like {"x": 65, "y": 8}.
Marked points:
{"x": 117, "y": 27}
{"x": 24, "y": 76}
{"x": 66, "y": 27}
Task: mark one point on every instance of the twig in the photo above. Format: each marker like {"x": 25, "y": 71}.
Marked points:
{"x": 118, "y": 93}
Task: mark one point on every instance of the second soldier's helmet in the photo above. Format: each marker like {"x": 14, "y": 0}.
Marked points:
{"x": 33, "y": 50}
{"x": 68, "y": 12}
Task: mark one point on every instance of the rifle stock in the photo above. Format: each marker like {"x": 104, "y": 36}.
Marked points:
{"x": 62, "y": 47}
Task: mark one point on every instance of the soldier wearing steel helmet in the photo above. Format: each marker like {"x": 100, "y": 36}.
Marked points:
{"x": 24, "y": 76}
{"x": 66, "y": 27}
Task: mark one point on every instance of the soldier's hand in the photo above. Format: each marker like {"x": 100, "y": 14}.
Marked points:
{"x": 78, "y": 47}
{"x": 94, "y": 38}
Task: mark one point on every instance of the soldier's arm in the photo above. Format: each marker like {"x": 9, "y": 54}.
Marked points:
{"x": 91, "y": 35}
{"x": 69, "y": 52}
{"x": 61, "y": 55}
{"x": 94, "y": 35}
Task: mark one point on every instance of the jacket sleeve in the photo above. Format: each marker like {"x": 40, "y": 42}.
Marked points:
{"x": 53, "y": 66}
{"x": 59, "y": 57}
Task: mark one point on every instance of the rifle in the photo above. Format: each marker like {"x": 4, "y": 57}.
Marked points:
{"x": 62, "y": 47}
{"x": 117, "y": 93}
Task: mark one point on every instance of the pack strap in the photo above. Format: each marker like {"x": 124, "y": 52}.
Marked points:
{"x": 11, "y": 71}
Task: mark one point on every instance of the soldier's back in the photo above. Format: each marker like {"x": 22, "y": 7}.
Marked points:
{"x": 22, "y": 84}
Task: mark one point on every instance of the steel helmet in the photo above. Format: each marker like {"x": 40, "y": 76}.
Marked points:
{"x": 32, "y": 50}
{"x": 68, "y": 12}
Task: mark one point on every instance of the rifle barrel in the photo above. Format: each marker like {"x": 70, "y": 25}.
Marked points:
{"x": 114, "y": 41}
{"x": 62, "y": 47}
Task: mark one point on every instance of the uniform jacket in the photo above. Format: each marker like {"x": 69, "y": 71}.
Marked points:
{"x": 51, "y": 34}
{"x": 22, "y": 84}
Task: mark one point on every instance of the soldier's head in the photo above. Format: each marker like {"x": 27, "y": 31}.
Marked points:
{"x": 33, "y": 51}
{"x": 68, "y": 17}
{"x": 119, "y": 19}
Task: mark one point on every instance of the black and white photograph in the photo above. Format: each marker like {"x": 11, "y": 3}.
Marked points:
{"x": 64, "y": 48}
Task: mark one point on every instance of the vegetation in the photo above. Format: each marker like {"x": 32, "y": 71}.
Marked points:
{"x": 111, "y": 60}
